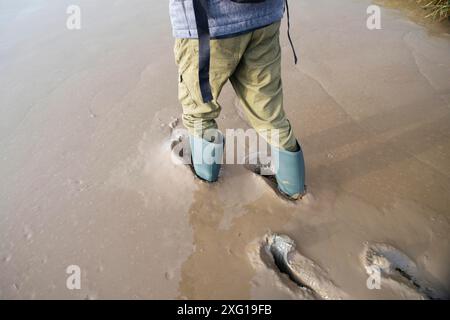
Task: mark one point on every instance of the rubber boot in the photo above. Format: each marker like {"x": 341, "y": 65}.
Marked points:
{"x": 207, "y": 158}
{"x": 289, "y": 170}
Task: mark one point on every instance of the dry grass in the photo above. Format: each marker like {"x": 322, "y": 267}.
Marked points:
{"x": 436, "y": 9}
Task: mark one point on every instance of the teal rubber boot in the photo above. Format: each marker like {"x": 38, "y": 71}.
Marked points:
{"x": 207, "y": 158}
{"x": 290, "y": 172}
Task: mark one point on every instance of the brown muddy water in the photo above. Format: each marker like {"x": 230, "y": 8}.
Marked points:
{"x": 87, "y": 177}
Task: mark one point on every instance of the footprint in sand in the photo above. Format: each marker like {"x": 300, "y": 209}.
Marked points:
{"x": 302, "y": 277}
{"x": 179, "y": 145}
{"x": 398, "y": 272}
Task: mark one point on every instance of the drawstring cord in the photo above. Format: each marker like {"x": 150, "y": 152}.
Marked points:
{"x": 289, "y": 32}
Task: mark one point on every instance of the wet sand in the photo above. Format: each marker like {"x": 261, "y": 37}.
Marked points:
{"x": 87, "y": 176}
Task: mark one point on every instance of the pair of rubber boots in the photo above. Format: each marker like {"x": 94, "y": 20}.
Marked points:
{"x": 289, "y": 166}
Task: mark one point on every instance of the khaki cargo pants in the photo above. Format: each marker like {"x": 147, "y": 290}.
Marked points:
{"x": 252, "y": 63}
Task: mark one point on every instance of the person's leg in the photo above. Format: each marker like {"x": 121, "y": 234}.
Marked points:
{"x": 257, "y": 82}
{"x": 224, "y": 59}
{"x": 199, "y": 117}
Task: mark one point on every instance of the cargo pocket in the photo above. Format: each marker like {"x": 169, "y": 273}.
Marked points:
{"x": 184, "y": 96}
{"x": 187, "y": 62}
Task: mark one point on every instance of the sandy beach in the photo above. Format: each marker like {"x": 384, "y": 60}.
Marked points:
{"x": 87, "y": 177}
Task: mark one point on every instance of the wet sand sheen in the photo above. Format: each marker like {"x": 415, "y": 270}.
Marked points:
{"x": 87, "y": 177}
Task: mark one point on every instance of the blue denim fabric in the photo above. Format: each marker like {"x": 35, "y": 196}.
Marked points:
{"x": 225, "y": 17}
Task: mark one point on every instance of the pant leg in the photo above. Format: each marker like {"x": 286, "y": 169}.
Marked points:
{"x": 197, "y": 115}
{"x": 257, "y": 82}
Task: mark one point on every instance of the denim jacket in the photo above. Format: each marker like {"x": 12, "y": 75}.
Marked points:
{"x": 224, "y": 16}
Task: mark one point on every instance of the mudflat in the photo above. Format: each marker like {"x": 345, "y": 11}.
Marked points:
{"x": 87, "y": 177}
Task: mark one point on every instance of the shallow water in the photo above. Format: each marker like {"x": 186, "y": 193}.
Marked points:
{"x": 87, "y": 176}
